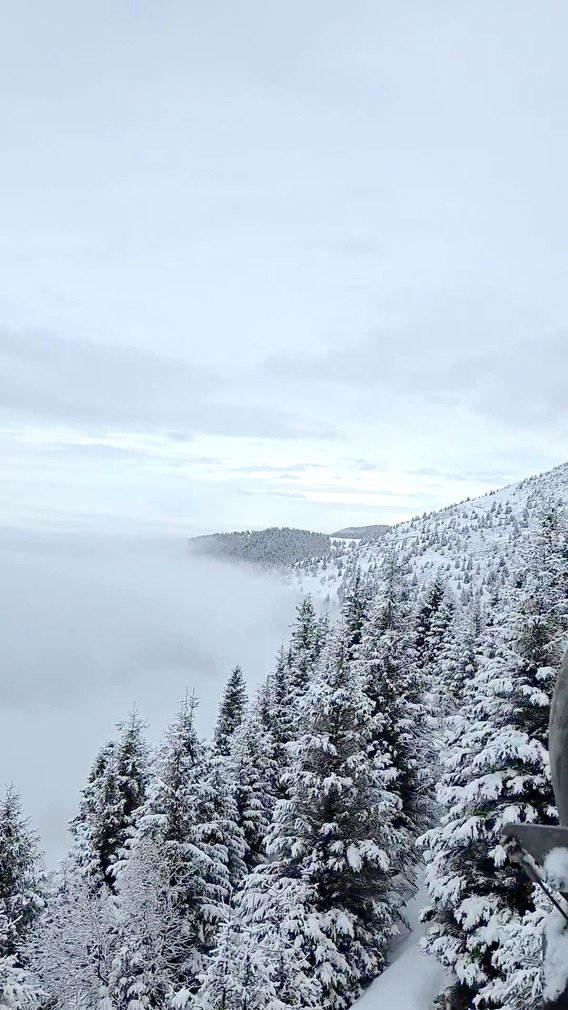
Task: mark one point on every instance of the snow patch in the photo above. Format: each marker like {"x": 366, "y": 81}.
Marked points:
{"x": 556, "y": 868}
{"x": 556, "y": 956}
{"x": 414, "y": 979}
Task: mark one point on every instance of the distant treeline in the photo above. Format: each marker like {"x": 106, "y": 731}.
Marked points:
{"x": 362, "y": 532}
{"x": 274, "y": 547}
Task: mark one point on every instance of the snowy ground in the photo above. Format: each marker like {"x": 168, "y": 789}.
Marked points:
{"x": 412, "y": 980}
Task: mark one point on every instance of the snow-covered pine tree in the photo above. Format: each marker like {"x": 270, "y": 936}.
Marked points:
{"x": 394, "y": 683}
{"x": 158, "y": 943}
{"x": 457, "y": 659}
{"x": 305, "y": 647}
{"x": 279, "y": 701}
{"x": 231, "y": 711}
{"x": 218, "y": 830}
{"x": 18, "y": 990}
{"x": 252, "y": 774}
{"x": 22, "y": 899}
{"x": 518, "y": 959}
{"x": 114, "y": 792}
{"x": 22, "y": 880}
{"x": 335, "y": 831}
{"x": 238, "y": 973}
{"x": 432, "y": 620}
{"x": 355, "y": 610}
{"x": 261, "y": 958}
{"x": 496, "y": 771}
{"x": 184, "y": 859}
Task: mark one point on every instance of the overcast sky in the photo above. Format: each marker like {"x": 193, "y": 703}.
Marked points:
{"x": 299, "y": 263}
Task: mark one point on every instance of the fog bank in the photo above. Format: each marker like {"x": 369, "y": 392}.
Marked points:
{"x": 94, "y": 625}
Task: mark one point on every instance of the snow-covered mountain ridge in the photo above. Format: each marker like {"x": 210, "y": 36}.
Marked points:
{"x": 472, "y": 543}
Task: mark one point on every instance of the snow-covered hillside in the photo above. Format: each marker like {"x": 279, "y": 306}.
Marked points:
{"x": 477, "y": 547}
{"x": 471, "y": 543}
{"x": 274, "y": 863}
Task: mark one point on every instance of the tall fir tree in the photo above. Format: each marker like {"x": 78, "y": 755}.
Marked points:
{"x": 432, "y": 619}
{"x": 232, "y": 711}
{"x": 496, "y": 771}
{"x": 116, "y": 789}
{"x": 355, "y": 611}
{"x": 251, "y": 770}
{"x": 395, "y": 684}
{"x": 287, "y": 685}
{"x": 22, "y": 879}
{"x": 186, "y": 856}
{"x": 23, "y": 893}
{"x": 335, "y": 830}
{"x": 262, "y": 957}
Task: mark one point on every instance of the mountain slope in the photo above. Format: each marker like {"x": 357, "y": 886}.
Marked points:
{"x": 276, "y": 547}
{"x": 473, "y": 544}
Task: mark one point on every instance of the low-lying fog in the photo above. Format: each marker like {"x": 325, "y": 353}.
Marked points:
{"x": 93, "y": 626}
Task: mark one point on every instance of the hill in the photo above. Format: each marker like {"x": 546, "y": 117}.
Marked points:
{"x": 361, "y": 532}
{"x": 473, "y": 544}
{"x": 277, "y": 547}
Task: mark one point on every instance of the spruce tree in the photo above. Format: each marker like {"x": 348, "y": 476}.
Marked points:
{"x": 355, "y": 611}
{"x": 394, "y": 683}
{"x": 252, "y": 778}
{"x": 496, "y": 771}
{"x": 305, "y": 647}
{"x": 218, "y": 831}
{"x": 116, "y": 789}
{"x": 264, "y": 950}
{"x": 158, "y": 948}
{"x": 282, "y": 696}
{"x": 22, "y": 881}
{"x": 231, "y": 711}
{"x": 185, "y": 858}
{"x": 432, "y": 620}
{"x": 335, "y": 830}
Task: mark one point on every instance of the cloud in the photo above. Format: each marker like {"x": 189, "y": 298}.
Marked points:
{"x": 115, "y": 622}
{"x": 97, "y": 387}
{"x": 271, "y": 493}
{"x": 102, "y": 451}
{"x": 269, "y": 468}
{"x": 451, "y": 362}
{"x": 158, "y": 454}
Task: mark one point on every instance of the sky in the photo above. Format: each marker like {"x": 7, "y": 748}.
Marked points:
{"x": 278, "y": 264}
{"x": 94, "y": 626}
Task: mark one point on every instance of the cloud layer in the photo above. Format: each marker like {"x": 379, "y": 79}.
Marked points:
{"x": 307, "y": 236}
{"x": 92, "y": 626}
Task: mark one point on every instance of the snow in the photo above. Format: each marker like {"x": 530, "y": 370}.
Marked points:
{"x": 413, "y": 979}
{"x": 556, "y": 868}
{"x": 556, "y": 931}
{"x": 556, "y": 957}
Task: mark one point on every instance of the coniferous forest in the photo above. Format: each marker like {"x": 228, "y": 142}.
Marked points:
{"x": 269, "y": 867}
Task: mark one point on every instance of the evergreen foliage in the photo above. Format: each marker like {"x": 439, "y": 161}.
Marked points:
{"x": 22, "y": 883}
{"x": 394, "y": 683}
{"x": 116, "y": 789}
{"x": 252, "y": 772}
{"x": 269, "y": 869}
{"x": 335, "y": 830}
{"x": 496, "y": 771}
{"x": 231, "y": 711}
{"x": 275, "y": 547}
{"x": 186, "y": 856}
